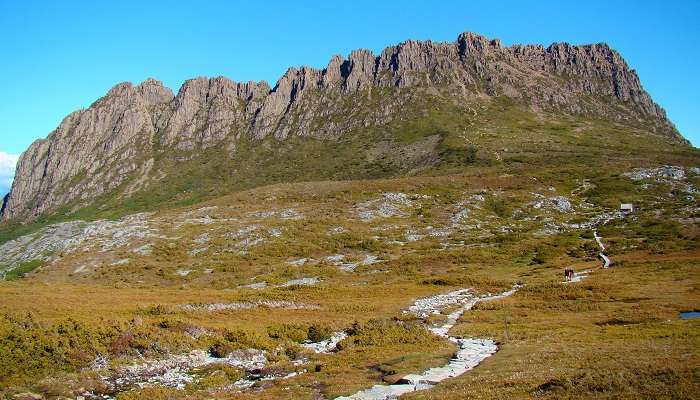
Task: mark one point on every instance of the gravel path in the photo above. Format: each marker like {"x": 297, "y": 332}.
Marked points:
{"x": 606, "y": 261}
{"x": 471, "y": 351}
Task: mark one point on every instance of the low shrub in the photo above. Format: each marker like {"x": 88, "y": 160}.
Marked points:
{"x": 22, "y": 269}
{"x": 294, "y": 332}
{"x": 317, "y": 333}
{"x": 384, "y": 332}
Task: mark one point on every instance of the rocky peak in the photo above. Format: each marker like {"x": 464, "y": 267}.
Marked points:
{"x": 289, "y": 89}
{"x": 120, "y": 89}
{"x": 599, "y": 58}
{"x": 333, "y": 74}
{"x": 203, "y": 89}
{"x": 469, "y": 43}
{"x": 87, "y": 142}
{"x": 196, "y": 88}
{"x": 205, "y": 107}
{"x": 154, "y": 92}
{"x": 360, "y": 69}
{"x": 415, "y": 63}
{"x": 109, "y": 141}
{"x": 124, "y": 95}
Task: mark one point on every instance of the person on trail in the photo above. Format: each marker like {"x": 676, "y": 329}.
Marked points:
{"x": 569, "y": 273}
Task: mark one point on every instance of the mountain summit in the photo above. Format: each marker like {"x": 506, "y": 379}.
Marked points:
{"x": 417, "y": 105}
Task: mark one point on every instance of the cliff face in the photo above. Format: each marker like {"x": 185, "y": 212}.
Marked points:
{"x": 112, "y": 144}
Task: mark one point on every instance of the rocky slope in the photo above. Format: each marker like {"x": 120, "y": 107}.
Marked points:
{"x": 137, "y": 135}
{"x": 297, "y": 291}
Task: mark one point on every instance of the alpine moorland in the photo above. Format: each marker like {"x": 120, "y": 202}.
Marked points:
{"x": 394, "y": 224}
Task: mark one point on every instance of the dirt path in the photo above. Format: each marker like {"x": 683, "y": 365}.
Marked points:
{"x": 472, "y": 351}
{"x": 607, "y": 262}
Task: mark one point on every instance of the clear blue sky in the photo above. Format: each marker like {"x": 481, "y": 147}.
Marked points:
{"x": 58, "y": 56}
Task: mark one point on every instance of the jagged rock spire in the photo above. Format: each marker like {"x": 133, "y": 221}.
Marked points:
{"x": 99, "y": 148}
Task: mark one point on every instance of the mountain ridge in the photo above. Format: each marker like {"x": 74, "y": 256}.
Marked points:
{"x": 115, "y": 143}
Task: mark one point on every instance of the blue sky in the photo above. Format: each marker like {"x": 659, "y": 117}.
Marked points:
{"x": 58, "y": 56}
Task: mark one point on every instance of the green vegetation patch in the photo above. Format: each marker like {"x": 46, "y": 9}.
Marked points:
{"x": 22, "y": 269}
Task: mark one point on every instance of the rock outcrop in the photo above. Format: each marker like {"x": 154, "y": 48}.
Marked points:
{"x": 98, "y": 149}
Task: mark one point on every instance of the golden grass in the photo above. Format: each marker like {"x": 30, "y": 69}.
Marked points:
{"x": 614, "y": 335}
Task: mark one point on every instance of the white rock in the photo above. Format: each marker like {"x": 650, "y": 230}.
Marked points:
{"x": 302, "y": 281}
{"x": 257, "y": 285}
{"x": 287, "y": 305}
{"x": 328, "y": 345}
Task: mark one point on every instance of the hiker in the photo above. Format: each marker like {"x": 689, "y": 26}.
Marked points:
{"x": 568, "y": 273}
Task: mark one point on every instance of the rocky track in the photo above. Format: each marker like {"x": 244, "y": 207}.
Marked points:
{"x": 607, "y": 262}
{"x": 472, "y": 351}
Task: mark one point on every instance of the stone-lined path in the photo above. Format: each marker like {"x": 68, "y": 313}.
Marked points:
{"x": 607, "y": 262}
{"x": 471, "y": 351}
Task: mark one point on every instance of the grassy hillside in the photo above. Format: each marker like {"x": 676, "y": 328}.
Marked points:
{"x": 616, "y": 334}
